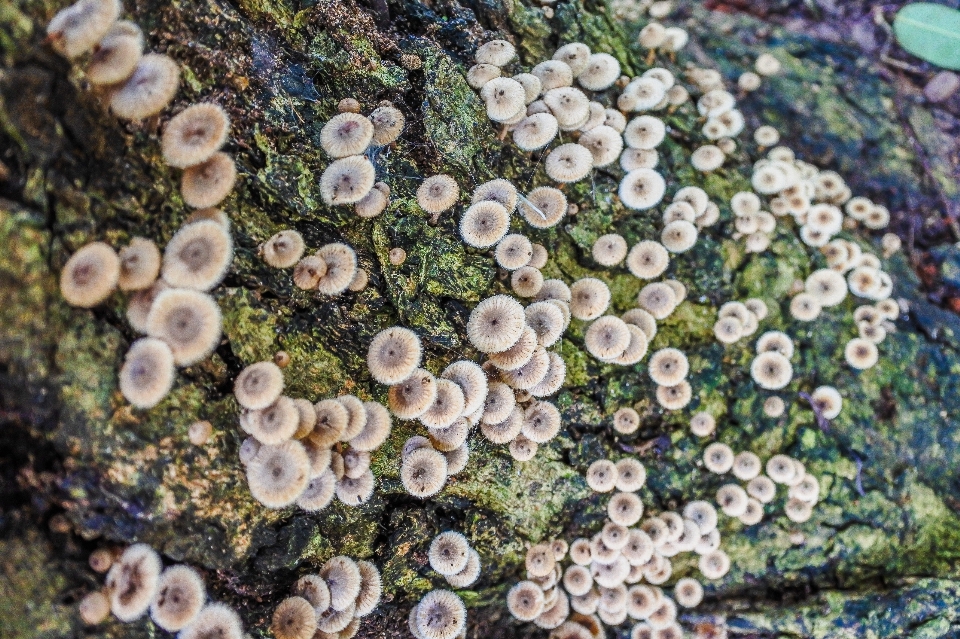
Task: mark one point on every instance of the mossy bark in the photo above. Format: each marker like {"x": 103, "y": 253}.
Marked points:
{"x": 879, "y": 557}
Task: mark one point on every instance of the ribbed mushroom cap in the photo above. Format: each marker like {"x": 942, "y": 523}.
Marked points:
{"x": 496, "y": 52}
{"x": 197, "y": 256}
{"x": 553, "y": 74}
{"x": 631, "y": 475}
{"x": 513, "y": 251}
{"x": 644, "y": 132}
{"x": 547, "y": 322}
{"x": 376, "y": 428}
{"x": 446, "y": 408}
{"x": 732, "y": 500}
{"x": 570, "y": 106}
{"x": 347, "y": 180}
{"x": 343, "y": 578}
{"x": 517, "y": 355}
{"x": 147, "y": 373}
{"x": 702, "y": 424}
{"x": 674, "y": 397}
{"x": 214, "y": 620}
{"x": 449, "y": 553}
{"x": 541, "y": 422}
{"x": 523, "y": 449}
{"x": 496, "y": 324}
{"x": 718, "y": 458}
{"x": 139, "y": 264}
{"x": 648, "y": 259}
{"x": 258, "y": 385}
{"x": 535, "y": 131}
{"x": 393, "y": 355}
{"x": 188, "y": 321}
{"x": 346, "y": 134}
{"x": 707, "y": 158}
{"x": 577, "y": 580}
{"x": 90, "y": 275}
{"x": 309, "y": 271}
{"x": 357, "y": 490}
{"x": 423, "y": 472}
{"x": 607, "y": 337}
{"x": 504, "y": 98}
{"x": 314, "y": 589}
{"x": 805, "y": 307}
{"x": 194, "y": 135}
{"x": 472, "y": 381}
{"x": 148, "y": 90}
{"x": 294, "y": 618}
{"x": 526, "y": 281}
{"x": 641, "y": 189}
{"x": 388, "y": 124}
{"x": 76, "y": 29}
{"x": 589, "y": 298}
{"x": 658, "y": 298}
{"x": 610, "y": 249}
{"x": 373, "y": 203}
{"x": 827, "y": 400}
{"x": 728, "y": 330}
{"x": 575, "y": 55}
{"x": 679, "y": 236}
{"x": 540, "y": 560}
{"x": 275, "y": 423}
{"x": 341, "y": 268}
{"x": 115, "y": 57}
{"x": 438, "y": 193}
{"x": 861, "y": 353}
{"x": 501, "y": 191}
{"x": 319, "y": 492}
{"x": 827, "y": 286}
{"x": 440, "y": 615}
{"x": 484, "y": 224}
{"x": 600, "y": 72}
{"x": 371, "y": 588}
{"x": 568, "y": 163}
{"x": 413, "y": 396}
{"x": 278, "y": 474}
{"x": 456, "y": 461}
{"x": 544, "y": 207}
{"x": 498, "y": 404}
{"x": 531, "y": 373}
{"x": 180, "y": 596}
{"x": 132, "y": 582}
{"x": 775, "y": 342}
{"x": 602, "y": 476}
{"x": 479, "y": 74}
{"x": 504, "y": 431}
{"x": 746, "y": 466}
{"x": 625, "y": 509}
{"x": 206, "y": 184}
{"x": 283, "y": 249}
{"x": 668, "y": 366}
{"x": 771, "y": 370}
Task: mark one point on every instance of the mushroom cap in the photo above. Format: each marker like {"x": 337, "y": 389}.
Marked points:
{"x": 115, "y": 58}
{"x": 214, "y": 620}
{"x": 505, "y": 98}
{"x": 90, "y": 275}
{"x": 412, "y": 397}
{"x": 679, "y": 236}
{"x": 423, "y": 472}
{"x": 206, "y": 184}
{"x": 771, "y": 370}
{"x": 607, "y": 337}
{"x": 644, "y": 132}
{"x": 568, "y": 163}
{"x": 197, "y": 256}
{"x": 496, "y": 324}
{"x": 535, "y": 131}
{"x": 279, "y": 474}
{"x": 139, "y": 264}
{"x": 258, "y": 385}
{"x": 388, "y": 124}
{"x": 600, "y": 72}
{"x": 513, "y": 251}
{"x": 346, "y": 134}
{"x": 76, "y": 29}
{"x": 590, "y": 297}
{"x": 347, "y": 180}
{"x": 132, "y": 582}
{"x": 441, "y": 615}
{"x": 194, "y": 134}
{"x": 449, "y": 553}
{"x": 604, "y": 144}
{"x": 495, "y": 52}
{"x": 438, "y": 193}
{"x": 188, "y": 321}
{"x": 544, "y": 207}
{"x": 147, "y": 374}
{"x": 294, "y": 618}
{"x": 148, "y": 90}
{"x": 284, "y": 249}
{"x": 484, "y": 223}
{"x": 179, "y": 599}
{"x": 641, "y": 189}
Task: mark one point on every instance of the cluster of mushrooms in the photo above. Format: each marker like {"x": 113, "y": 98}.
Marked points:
{"x": 170, "y": 299}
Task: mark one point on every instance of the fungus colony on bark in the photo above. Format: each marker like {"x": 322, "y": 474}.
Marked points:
{"x": 303, "y": 453}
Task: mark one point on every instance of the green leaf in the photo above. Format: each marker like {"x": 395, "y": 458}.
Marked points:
{"x": 931, "y": 32}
